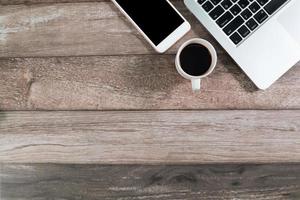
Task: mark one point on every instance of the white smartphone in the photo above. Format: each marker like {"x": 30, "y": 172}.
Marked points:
{"x": 157, "y": 20}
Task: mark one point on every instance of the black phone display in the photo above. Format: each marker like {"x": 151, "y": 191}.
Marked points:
{"x": 156, "y": 18}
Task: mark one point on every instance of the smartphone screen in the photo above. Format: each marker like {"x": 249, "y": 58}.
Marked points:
{"x": 156, "y": 18}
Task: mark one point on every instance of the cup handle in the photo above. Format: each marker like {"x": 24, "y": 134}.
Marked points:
{"x": 196, "y": 84}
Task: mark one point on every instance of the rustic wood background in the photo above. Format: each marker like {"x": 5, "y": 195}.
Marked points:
{"x": 81, "y": 90}
{"x": 135, "y": 182}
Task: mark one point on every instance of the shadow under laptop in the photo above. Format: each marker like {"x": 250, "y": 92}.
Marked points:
{"x": 237, "y": 72}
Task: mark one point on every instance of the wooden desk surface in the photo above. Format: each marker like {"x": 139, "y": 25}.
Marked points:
{"x": 79, "y": 85}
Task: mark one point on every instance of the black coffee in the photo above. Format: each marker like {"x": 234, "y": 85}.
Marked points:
{"x": 195, "y": 59}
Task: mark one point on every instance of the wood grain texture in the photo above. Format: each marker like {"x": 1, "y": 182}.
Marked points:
{"x": 150, "y": 137}
{"x": 133, "y": 82}
{"x": 65, "y": 29}
{"x": 111, "y": 82}
{"x": 227, "y": 182}
{"x": 31, "y": 2}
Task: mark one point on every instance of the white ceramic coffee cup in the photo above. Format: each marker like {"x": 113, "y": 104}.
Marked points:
{"x": 196, "y": 80}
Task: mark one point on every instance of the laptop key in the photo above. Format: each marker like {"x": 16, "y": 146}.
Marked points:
{"x": 217, "y": 12}
{"x": 261, "y": 16}
{"x": 235, "y": 9}
{"x": 215, "y": 2}
{"x": 243, "y": 3}
{"x": 246, "y": 14}
{"x": 236, "y": 38}
{"x": 207, "y": 6}
{"x": 201, "y": 1}
{"x": 251, "y": 24}
{"x": 224, "y": 19}
{"x": 254, "y": 7}
{"x": 233, "y": 25}
{"x": 244, "y": 31}
{"x": 274, "y": 5}
{"x": 226, "y": 4}
{"x": 262, "y": 2}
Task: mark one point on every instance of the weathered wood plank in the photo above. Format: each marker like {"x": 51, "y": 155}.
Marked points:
{"x": 74, "y": 29}
{"x": 150, "y": 137}
{"x": 30, "y": 2}
{"x": 133, "y": 82}
{"x": 259, "y": 182}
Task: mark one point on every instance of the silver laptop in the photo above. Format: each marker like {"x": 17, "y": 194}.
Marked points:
{"x": 262, "y": 36}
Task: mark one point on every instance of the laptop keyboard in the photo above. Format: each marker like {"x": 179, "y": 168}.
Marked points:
{"x": 238, "y": 18}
